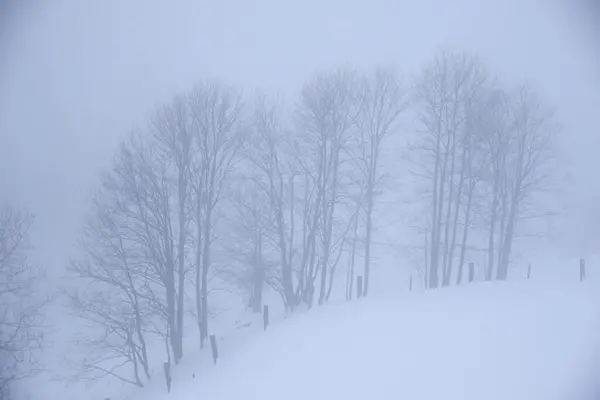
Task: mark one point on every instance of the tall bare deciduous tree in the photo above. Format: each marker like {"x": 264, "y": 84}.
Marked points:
{"x": 269, "y": 154}
{"x": 216, "y": 122}
{"x": 21, "y": 330}
{"x": 527, "y": 168}
{"x": 172, "y": 131}
{"x": 145, "y": 177}
{"x": 356, "y": 236}
{"x": 444, "y": 92}
{"x": 153, "y": 224}
{"x": 475, "y": 160}
{"x": 111, "y": 294}
{"x": 250, "y": 240}
{"x": 381, "y": 101}
{"x": 484, "y": 151}
{"x": 327, "y": 112}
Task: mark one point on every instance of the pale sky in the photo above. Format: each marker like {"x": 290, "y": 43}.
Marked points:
{"x": 76, "y": 75}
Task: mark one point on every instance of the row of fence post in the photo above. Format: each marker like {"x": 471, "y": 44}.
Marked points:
{"x": 582, "y": 273}
{"x": 359, "y": 294}
{"x": 582, "y": 270}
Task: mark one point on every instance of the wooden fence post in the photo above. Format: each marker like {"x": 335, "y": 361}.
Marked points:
{"x": 265, "y": 316}
{"x": 529, "y": 271}
{"x": 213, "y": 346}
{"x": 359, "y": 286}
{"x": 581, "y": 270}
{"x": 410, "y": 284}
{"x": 471, "y": 272}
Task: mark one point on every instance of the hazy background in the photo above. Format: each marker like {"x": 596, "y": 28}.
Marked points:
{"x": 75, "y": 76}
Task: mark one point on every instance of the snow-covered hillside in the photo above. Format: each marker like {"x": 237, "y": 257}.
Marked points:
{"x": 522, "y": 339}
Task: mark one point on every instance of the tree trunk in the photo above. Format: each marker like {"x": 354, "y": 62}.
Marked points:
{"x": 463, "y": 247}
{"x": 258, "y": 275}
{"x": 205, "y": 268}
{"x": 440, "y": 212}
{"x": 181, "y": 262}
{"x": 493, "y": 216}
{"x": 508, "y": 239}
{"x": 350, "y": 285}
{"x": 433, "y": 260}
{"x": 328, "y": 211}
{"x": 368, "y": 228}
{"x": 142, "y": 340}
{"x": 446, "y": 273}
{"x": 456, "y": 214}
{"x": 134, "y": 361}
{"x": 503, "y": 222}
{"x": 171, "y": 319}
{"x": 199, "y": 267}
{"x": 277, "y": 194}
{"x": 286, "y": 268}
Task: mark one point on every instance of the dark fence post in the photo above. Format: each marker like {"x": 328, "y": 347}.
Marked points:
{"x": 359, "y": 286}
{"x": 529, "y": 271}
{"x": 213, "y": 346}
{"x": 410, "y": 284}
{"x": 167, "y": 368}
{"x": 581, "y": 270}
{"x": 471, "y": 272}
{"x": 265, "y": 316}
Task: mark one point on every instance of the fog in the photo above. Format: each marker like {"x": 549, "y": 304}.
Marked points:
{"x": 77, "y": 76}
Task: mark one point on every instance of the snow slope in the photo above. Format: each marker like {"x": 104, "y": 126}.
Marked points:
{"x": 513, "y": 340}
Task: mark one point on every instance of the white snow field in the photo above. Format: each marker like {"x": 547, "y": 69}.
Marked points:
{"x": 530, "y": 340}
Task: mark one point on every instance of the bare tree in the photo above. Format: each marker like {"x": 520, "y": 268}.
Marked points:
{"x": 475, "y": 161}
{"x": 484, "y": 151}
{"x": 250, "y": 238}
{"x": 215, "y": 118}
{"x": 356, "y": 240}
{"x": 269, "y": 154}
{"x": 112, "y": 268}
{"x": 172, "y": 131}
{"x": 21, "y": 330}
{"x": 114, "y": 347}
{"x": 381, "y": 100}
{"x": 445, "y": 92}
{"x": 310, "y": 228}
{"x": 514, "y": 135}
{"x": 528, "y": 166}
{"x": 326, "y": 114}
{"x": 143, "y": 179}
{"x": 493, "y": 123}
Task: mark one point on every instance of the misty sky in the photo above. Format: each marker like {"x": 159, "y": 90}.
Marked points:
{"x": 76, "y": 75}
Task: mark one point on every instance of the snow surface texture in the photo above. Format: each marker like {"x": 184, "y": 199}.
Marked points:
{"x": 535, "y": 339}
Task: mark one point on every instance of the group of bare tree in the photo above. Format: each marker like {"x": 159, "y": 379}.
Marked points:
{"x": 277, "y": 195}
{"x": 256, "y": 194}
{"x": 318, "y": 168}
{"x": 21, "y": 330}
{"x": 151, "y": 232}
{"x": 484, "y": 153}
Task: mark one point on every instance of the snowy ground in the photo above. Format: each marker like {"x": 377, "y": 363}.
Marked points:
{"x": 536, "y": 339}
